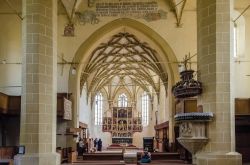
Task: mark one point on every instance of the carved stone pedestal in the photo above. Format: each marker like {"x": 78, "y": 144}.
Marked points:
{"x": 192, "y": 130}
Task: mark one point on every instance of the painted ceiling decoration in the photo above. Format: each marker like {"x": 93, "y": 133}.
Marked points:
{"x": 70, "y": 6}
{"x": 123, "y": 62}
{"x": 178, "y": 8}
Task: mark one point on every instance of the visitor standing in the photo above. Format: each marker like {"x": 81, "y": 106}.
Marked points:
{"x": 99, "y": 148}
{"x": 90, "y": 143}
{"x": 81, "y": 147}
{"x": 95, "y": 143}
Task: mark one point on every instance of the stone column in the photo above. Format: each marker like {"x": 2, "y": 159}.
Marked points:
{"x": 38, "y": 111}
{"x": 214, "y": 55}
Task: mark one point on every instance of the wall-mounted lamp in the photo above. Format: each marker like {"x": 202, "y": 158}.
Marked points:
{"x": 3, "y": 61}
{"x": 73, "y": 71}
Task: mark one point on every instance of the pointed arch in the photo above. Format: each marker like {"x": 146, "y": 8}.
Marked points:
{"x": 83, "y": 54}
{"x": 167, "y": 55}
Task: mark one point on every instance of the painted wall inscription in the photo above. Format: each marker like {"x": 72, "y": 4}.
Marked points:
{"x": 148, "y": 10}
{"x": 125, "y": 8}
{"x": 138, "y": 9}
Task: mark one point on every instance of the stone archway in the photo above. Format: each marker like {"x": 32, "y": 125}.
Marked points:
{"x": 82, "y": 55}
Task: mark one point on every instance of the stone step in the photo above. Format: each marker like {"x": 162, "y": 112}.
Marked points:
{"x": 119, "y": 156}
{"x": 115, "y": 162}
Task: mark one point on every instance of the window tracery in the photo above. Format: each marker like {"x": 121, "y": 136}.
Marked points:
{"x": 122, "y": 100}
{"x": 145, "y": 108}
{"x": 98, "y": 109}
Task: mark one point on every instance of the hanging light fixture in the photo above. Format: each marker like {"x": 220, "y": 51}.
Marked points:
{"x": 187, "y": 87}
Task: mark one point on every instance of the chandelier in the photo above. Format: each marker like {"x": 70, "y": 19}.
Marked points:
{"x": 187, "y": 87}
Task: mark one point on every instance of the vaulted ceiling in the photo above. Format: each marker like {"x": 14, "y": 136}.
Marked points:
{"x": 124, "y": 60}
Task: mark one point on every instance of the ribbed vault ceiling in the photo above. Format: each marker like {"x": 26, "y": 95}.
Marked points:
{"x": 123, "y": 61}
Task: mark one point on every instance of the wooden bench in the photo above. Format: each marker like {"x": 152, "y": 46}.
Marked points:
{"x": 7, "y": 155}
{"x": 6, "y": 162}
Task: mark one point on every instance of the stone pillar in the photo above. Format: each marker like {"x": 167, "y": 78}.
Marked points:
{"x": 214, "y": 55}
{"x": 38, "y": 111}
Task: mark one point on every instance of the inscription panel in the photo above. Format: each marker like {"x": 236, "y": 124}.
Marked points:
{"x": 128, "y": 9}
{"x": 140, "y": 9}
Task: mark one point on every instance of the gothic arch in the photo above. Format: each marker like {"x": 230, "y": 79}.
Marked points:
{"x": 82, "y": 55}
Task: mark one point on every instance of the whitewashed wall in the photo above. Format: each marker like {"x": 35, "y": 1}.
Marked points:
{"x": 242, "y": 68}
{"x": 85, "y": 108}
{"x": 147, "y": 131}
{"x": 163, "y": 106}
{"x": 87, "y": 116}
{"x": 10, "y": 50}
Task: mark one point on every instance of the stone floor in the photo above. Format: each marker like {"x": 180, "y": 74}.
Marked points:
{"x": 116, "y": 162}
{"x": 121, "y": 163}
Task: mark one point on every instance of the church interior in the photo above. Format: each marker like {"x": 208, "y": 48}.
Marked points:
{"x": 99, "y": 82}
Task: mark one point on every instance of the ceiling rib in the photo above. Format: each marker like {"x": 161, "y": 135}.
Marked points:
{"x": 122, "y": 58}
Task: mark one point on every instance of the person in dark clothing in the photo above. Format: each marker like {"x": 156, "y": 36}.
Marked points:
{"x": 99, "y": 147}
{"x": 145, "y": 156}
{"x": 80, "y": 147}
{"x": 95, "y": 143}
{"x": 166, "y": 145}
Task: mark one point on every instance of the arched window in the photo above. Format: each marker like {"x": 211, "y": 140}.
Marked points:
{"x": 145, "y": 108}
{"x": 235, "y": 40}
{"x": 239, "y": 40}
{"x": 98, "y": 109}
{"x": 122, "y": 100}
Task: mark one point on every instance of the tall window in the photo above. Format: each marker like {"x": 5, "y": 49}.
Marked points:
{"x": 239, "y": 35}
{"x": 98, "y": 109}
{"x": 235, "y": 40}
{"x": 145, "y": 108}
{"x": 122, "y": 100}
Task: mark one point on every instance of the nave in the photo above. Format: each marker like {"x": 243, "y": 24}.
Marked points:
{"x": 119, "y": 71}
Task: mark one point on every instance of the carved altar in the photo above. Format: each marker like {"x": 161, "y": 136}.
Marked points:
{"x": 122, "y": 124}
